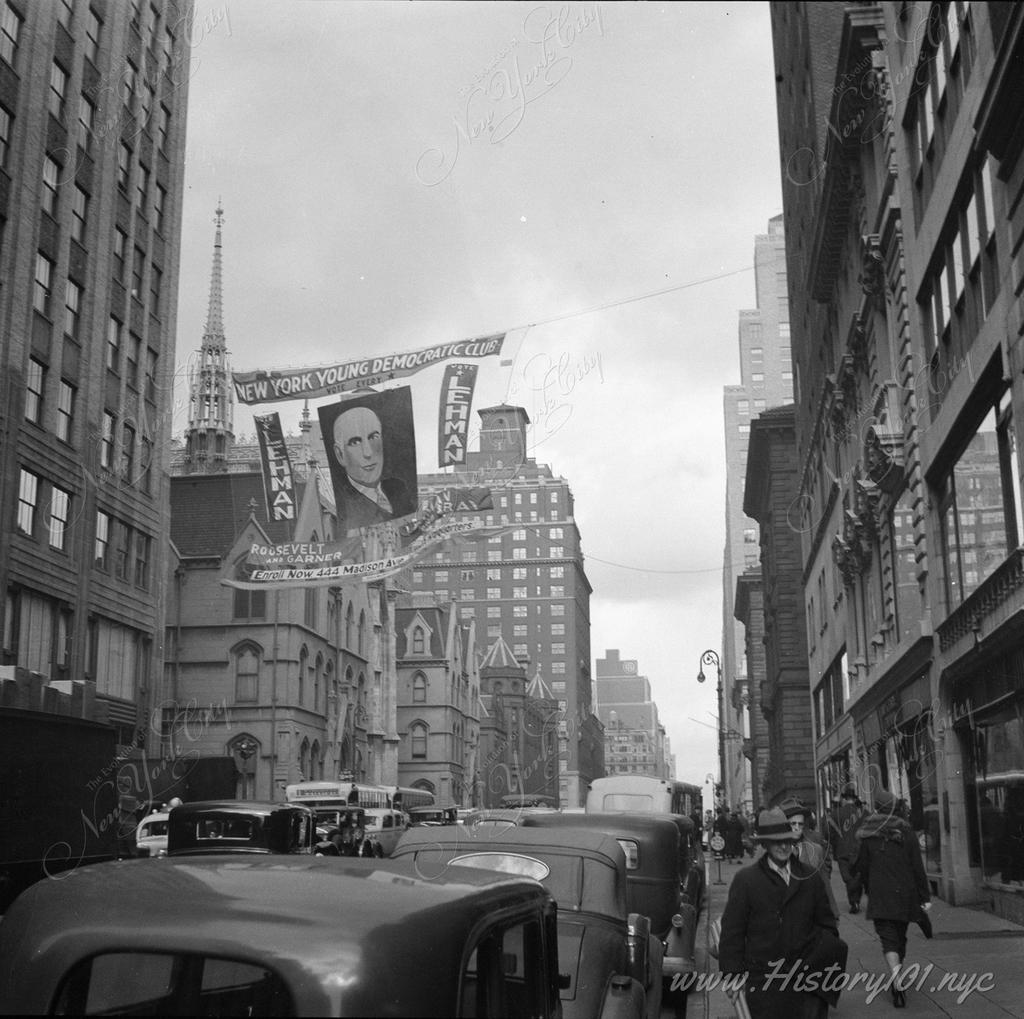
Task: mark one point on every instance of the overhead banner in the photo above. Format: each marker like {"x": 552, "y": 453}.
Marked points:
{"x": 370, "y": 441}
{"x": 453, "y": 417}
{"x": 309, "y": 383}
{"x": 278, "y": 481}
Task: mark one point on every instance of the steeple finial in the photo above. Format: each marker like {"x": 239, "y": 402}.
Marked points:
{"x": 214, "y": 332}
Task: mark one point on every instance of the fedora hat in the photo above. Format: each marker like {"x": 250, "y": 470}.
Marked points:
{"x": 884, "y": 800}
{"x": 773, "y": 826}
{"x": 792, "y": 806}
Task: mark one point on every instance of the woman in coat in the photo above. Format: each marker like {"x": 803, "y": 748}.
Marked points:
{"x": 777, "y": 918}
{"x": 890, "y": 867}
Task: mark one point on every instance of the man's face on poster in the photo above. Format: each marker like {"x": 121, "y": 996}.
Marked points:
{"x": 359, "y": 445}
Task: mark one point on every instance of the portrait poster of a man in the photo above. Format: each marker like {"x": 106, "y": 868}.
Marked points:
{"x": 371, "y": 448}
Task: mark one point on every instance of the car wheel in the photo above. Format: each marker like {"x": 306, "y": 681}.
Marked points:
{"x": 378, "y": 850}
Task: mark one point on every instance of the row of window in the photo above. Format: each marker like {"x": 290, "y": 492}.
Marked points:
{"x": 123, "y": 550}
{"x": 518, "y": 573}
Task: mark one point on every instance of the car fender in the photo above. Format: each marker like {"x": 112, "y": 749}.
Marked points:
{"x": 624, "y": 998}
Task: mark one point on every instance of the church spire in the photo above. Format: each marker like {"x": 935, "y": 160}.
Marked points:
{"x": 210, "y": 431}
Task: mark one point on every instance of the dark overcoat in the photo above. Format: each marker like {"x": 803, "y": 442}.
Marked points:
{"x": 889, "y": 864}
{"x": 766, "y": 920}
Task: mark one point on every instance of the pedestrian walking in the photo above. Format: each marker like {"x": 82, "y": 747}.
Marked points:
{"x": 779, "y": 930}
{"x": 809, "y": 848}
{"x": 890, "y": 866}
{"x": 734, "y": 838}
{"x": 845, "y": 846}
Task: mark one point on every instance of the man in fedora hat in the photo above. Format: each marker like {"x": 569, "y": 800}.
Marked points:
{"x": 777, "y": 918}
{"x": 809, "y": 848}
{"x": 845, "y": 847}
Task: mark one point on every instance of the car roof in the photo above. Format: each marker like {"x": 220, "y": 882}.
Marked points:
{"x": 621, "y": 825}
{"x": 600, "y": 886}
{"x": 239, "y": 806}
{"x": 332, "y": 926}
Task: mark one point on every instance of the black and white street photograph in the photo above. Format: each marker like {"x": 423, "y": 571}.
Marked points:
{"x": 512, "y": 509}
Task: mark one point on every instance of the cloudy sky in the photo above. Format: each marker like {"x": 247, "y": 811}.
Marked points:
{"x": 587, "y": 177}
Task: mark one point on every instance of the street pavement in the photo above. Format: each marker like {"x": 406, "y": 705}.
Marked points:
{"x": 975, "y": 957}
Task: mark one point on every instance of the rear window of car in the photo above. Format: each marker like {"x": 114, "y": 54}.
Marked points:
{"x": 154, "y": 828}
{"x": 163, "y": 983}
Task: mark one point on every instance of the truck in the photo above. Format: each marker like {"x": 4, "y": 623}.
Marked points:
{"x": 60, "y": 807}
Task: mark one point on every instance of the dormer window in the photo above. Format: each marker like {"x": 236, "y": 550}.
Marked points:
{"x": 418, "y": 641}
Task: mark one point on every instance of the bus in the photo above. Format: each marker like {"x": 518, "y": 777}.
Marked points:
{"x": 644, "y": 794}
{"x": 324, "y": 795}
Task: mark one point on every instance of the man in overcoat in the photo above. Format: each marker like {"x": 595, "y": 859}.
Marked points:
{"x": 779, "y": 930}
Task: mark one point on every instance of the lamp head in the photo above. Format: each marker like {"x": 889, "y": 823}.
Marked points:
{"x": 700, "y": 676}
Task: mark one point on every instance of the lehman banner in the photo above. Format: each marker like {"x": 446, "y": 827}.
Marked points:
{"x": 307, "y": 383}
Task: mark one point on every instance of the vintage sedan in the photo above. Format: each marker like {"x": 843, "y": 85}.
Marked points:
{"x": 280, "y": 936}
{"x": 659, "y": 881}
{"x": 604, "y": 952}
{"x": 151, "y": 835}
{"x": 240, "y": 826}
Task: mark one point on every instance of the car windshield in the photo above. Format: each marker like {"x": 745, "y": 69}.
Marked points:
{"x": 153, "y": 828}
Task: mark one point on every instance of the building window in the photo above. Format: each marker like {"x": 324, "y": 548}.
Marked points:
{"x": 28, "y": 495}
{"x": 519, "y": 611}
{"x": 124, "y": 165}
{"x": 10, "y": 30}
{"x": 113, "y": 344}
{"x": 556, "y": 533}
{"x": 557, "y": 591}
{"x": 65, "y": 410}
{"x": 520, "y": 651}
{"x": 41, "y": 291}
{"x": 493, "y": 593}
{"x": 519, "y": 534}
{"x": 72, "y": 303}
{"x": 86, "y": 120}
{"x": 60, "y": 512}
{"x": 519, "y": 573}
{"x": 120, "y": 245}
{"x": 494, "y": 630}
{"x": 494, "y": 555}
{"x": 558, "y": 649}
{"x": 519, "y": 630}
{"x": 494, "y": 612}
{"x": 79, "y": 210}
{"x": 418, "y": 739}
{"x": 107, "y": 440}
{"x": 138, "y": 270}
{"x": 557, "y": 552}
{"x": 150, "y": 383}
{"x": 142, "y": 190}
{"x": 519, "y": 553}
{"x": 519, "y": 592}
{"x": 742, "y": 406}
{"x": 132, "y": 361}
{"x": 558, "y": 668}
{"x": 250, "y": 605}
{"x": 558, "y": 629}
{"x": 92, "y": 35}
{"x": 985, "y": 476}
{"x": 418, "y": 641}
{"x": 127, "y": 453}
{"x": 35, "y": 383}
{"x": 162, "y": 121}
{"x": 159, "y": 205}
{"x": 757, "y": 353}
{"x": 557, "y": 572}
{"x": 5, "y": 135}
{"x": 467, "y": 594}
{"x": 419, "y": 689}
{"x": 51, "y": 175}
{"x": 757, "y": 376}
{"x": 247, "y": 674}
{"x": 102, "y": 540}
{"x": 558, "y": 609}
{"x": 145, "y": 466}
{"x": 58, "y": 90}
{"x": 494, "y": 574}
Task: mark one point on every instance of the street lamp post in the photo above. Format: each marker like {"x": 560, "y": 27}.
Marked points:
{"x": 710, "y": 657}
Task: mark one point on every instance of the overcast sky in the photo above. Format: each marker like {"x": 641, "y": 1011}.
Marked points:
{"x": 386, "y": 187}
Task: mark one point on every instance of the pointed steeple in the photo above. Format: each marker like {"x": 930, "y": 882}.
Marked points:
{"x": 210, "y": 432}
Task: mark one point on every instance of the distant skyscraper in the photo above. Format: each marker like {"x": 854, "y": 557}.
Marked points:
{"x": 634, "y": 739}
{"x": 92, "y": 148}
{"x": 527, "y": 585}
{"x": 766, "y": 371}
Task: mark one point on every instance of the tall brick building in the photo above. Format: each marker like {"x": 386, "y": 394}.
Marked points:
{"x": 92, "y": 147}
{"x": 901, "y": 133}
{"x": 772, "y": 601}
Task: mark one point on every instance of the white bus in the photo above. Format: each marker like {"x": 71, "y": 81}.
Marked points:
{"x": 357, "y": 794}
{"x": 643, "y": 794}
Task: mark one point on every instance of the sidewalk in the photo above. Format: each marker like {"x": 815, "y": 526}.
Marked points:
{"x": 971, "y": 949}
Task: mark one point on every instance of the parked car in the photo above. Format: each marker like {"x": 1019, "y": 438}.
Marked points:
{"x": 432, "y": 816}
{"x": 659, "y": 881}
{"x": 240, "y": 826}
{"x": 384, "y": 827}
{"x": 281, "y": 936}
{"x": 602, "y": 949}
{"x": 151, "y": 835}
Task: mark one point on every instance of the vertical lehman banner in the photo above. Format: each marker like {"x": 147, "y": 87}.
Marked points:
{"x": 453, "y": 419}
{"x": 278, "y": 481}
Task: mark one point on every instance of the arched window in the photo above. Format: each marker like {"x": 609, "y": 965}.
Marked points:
{"x": 247, "y": 673}
{"x": 419, "y": 688}
{"x": 362, "y": 633}
{"x": 418, "y": 739}
{"x": 418, "y": 640}
{"x": 361, "y": 718}
{"x": 316, "y": 764}
{"x": 304, "y": 760}
{"x": 350, "y": 617}
{"x": 303, "y": 659}
{"x": 319, "y": 668}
